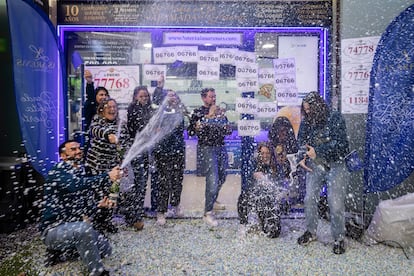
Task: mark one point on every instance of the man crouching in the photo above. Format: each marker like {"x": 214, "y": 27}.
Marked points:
{"x": 64, "y": 223}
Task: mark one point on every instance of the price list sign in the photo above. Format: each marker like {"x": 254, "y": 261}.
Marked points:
{"x": 357, "y": 57}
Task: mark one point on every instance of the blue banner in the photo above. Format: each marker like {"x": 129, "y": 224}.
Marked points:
{"x": 38, "y": 82}
{"x": 389, "y": 159}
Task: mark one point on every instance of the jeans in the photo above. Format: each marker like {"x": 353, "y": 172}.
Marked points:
{"x": 336, "y": 178}
{"x": 134, "y": 198}
{"x": 214, "y": 165}
{"x": 80, "y": 235}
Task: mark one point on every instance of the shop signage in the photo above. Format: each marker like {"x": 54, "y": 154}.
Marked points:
{"x": 202, "y": 38}
{"x": 317, "y": 13}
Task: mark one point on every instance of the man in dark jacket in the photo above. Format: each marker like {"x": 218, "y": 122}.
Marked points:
{"x": 65, "y": 223}
{"x": 323, "y": 140}
{"x": 211, "y": 126}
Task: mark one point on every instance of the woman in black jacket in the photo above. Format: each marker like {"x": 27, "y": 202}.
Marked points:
{"x": 139, "y": 114}
{"x": 169, "y": 155}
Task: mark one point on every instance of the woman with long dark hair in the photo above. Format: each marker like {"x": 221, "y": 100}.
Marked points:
{"x": 139, "y": 114}
{"x": 282, "y": 133}
{"x": 263, "y": 196}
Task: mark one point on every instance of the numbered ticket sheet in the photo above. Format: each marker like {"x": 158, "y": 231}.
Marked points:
{"x": 357, "y": 56}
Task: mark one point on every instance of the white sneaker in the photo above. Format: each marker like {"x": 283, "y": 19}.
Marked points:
{"x": 219, "y": 206}
{"x": 177, "y": 212}
{"x": 242, "y": 231}
{"x": 210, "y": 219}
{"x": 161, "y": 219}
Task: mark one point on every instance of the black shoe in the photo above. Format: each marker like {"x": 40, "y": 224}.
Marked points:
{"x": 105, "y": 273}
{"x": 52, "y": 257}
{"x": 272, "y": 227}
{"x": 110, "y": 228}
{"x": 105, "y": 227}
{"x": 306, "y": 238}
{"x": 339, "y": 247}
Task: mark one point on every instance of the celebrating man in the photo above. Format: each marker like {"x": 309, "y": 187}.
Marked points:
{"x": 65, "y": 220}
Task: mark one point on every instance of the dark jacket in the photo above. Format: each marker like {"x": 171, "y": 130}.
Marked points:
{"x": 172, "y": 143}
{"x": 138, "y": 117}
{"x": 90, "y": 105}
{"x": 63, "y": 187}
{"x": 213, "y": 130}
{"x": 329, "y": 140}
{"x": 158, "y": 95}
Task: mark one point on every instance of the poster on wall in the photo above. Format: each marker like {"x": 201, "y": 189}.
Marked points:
{"x": 164, "y": 55}
{"x": 357, "y": 56}
{"x": 154, "y": 71}
{"x": 304, "y": 50}
{"x": 208, "y": 67}
{"x": 266, "y": 80}
{"x": 119, "y": 80}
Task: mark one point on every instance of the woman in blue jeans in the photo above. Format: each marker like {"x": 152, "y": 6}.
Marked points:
{"x": 323, "y": 141}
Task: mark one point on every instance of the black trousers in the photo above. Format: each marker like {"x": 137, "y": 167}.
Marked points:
{"x": 266, "y": 204}
{"x": 170, "y": 169}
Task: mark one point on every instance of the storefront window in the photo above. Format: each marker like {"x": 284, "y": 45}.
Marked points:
{"x": 232, "y": 60}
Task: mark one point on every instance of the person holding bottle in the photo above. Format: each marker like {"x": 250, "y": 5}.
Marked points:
{"x": 323, "y": 146}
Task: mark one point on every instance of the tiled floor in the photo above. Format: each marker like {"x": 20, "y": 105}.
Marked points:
{"x": 192, "y": 197}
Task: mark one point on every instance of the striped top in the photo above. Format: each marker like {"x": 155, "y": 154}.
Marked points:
{"x": 102, "y": 156}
